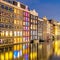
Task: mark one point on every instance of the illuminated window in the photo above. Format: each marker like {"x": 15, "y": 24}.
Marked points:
{"x": 14, "y": 40}
{"x": 23, "y": 39}
{"x": 26, "y": 28}
{"x": 26, "y": 13}
{"x": 24, "y": 33}
{"x": 18, "y": 12}
{"x": 15, "y": 21}
{"x": 23, "y": 23}
{"x": 15, "y": 10}
{"x": 6, "y": 33}
{"x": 20, "y": 46}
{"x": 24, "y": 18}
{"x": 15, "y": 34}
{"x": 27, "y": 23}
{"x": 20, "y": 22}
{"x": 2, "y": 33}
{"x": 31, "y": 26}
{"x": 28, "y": 33}
{"x": 11, "y": 33}
{"x": 18, "y": 33}
{"x": 20, "y": 39}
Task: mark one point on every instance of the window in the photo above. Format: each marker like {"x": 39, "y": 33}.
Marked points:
{"x": 15, "y": 21}
{"x": 15, "y": 10}
{"x": 20, "y": 39}
{"x": 2, "y": 6}
{"x": 27, "y": 23}
{"x": 1, "y": 25}
{"x": 15, "y": 34}
{"x": 2, "y": 33}
{"x": 18, "y": 12}
{"x": 10, "y": 9}
{"x": 6, "y": 33}
{"x": 14, "y": 40}
{"x": 6, "y": 7}
{"x": 22, "y": 6}
{"x": 14, "y": 3}
{"x": 11, "y": 33}
{"x": 23, "y": 23}
{"x": 24, "y": 33}
{"x": 20, "y": 34}
{"x": 23, "y": 39}
{"x": 27, "y": 14}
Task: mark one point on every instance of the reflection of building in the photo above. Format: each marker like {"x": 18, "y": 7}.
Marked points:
{"x": 34, "y": 24}
{"x": 58, "y": 31}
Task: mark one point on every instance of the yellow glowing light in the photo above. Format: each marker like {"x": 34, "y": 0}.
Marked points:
{"x": 11, "y": 33}
{"x": 33, "y": 55}
{"x": 2, "y": 33}
{"x": 10, "y": 55}
{"x": 6, "y": 33}
{"x": 2, "y": 56}
{"x": 57, "y": 47}
{"x": 6, "y": 55}
{"x": 15, "y": 47}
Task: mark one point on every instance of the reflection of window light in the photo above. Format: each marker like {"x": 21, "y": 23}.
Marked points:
{"x": 6, "y": 33}
{"x": 26, "y": 57}
{"x": 20, "y": 52}
{"x": 15, "y": 54}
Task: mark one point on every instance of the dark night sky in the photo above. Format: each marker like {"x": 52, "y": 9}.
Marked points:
{"x": 48, "y": 8}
